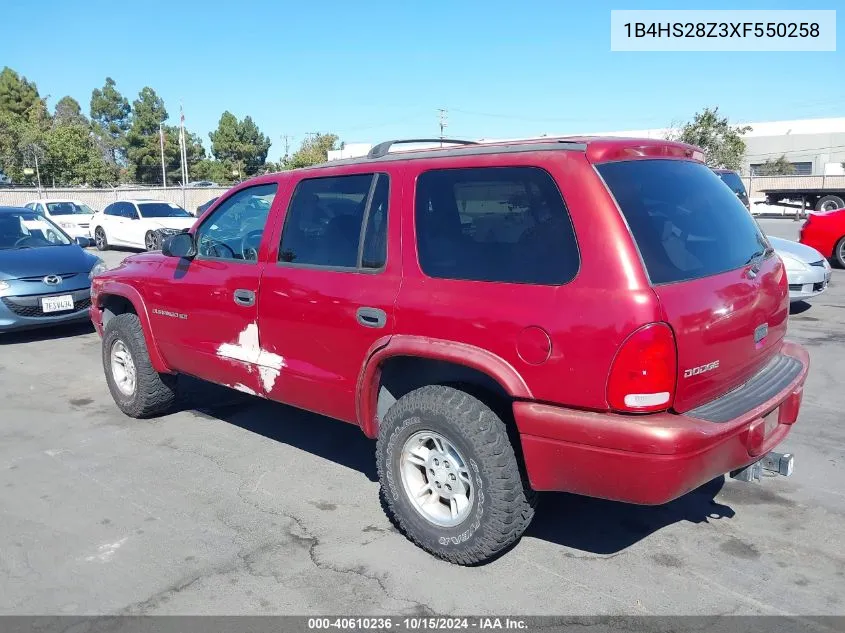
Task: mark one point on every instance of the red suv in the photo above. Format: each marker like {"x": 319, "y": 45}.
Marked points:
{"x": 599, "y": 316}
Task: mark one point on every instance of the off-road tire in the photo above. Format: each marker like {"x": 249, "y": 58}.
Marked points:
{"x": 154, "y": 393}
{"x": 101, "y": 244}
{"x": 839, "y": 253}
{"x": 503, "y": 505}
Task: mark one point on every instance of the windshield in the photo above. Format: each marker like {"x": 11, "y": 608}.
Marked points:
{"x": 29, "y": 230}
{"x": 69, "y": 208}
{"x": 687, "y": 225}
{"x": 162, "y": 210}
{"x": 733, "y": 181}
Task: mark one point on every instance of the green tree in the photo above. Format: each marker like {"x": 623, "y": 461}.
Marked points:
{"x": 240, "y": 143}
{"x": 24, "y": 121}
{"x": 73, "y": 158}
{"x": 17, "y": 95}
{"x": 313, "y": 151}
{"x": 215, "y": 170}
{"x": 110, "y": 112}
{"x": 143, "y": 142}
{"x": 722, "y": 143}
{"x": 69, "y": 112}
{"x": 778, "y": 167}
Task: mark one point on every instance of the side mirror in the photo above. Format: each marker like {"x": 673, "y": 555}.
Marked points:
{"x": 180, "y": 245}
{"x": 84, "y": 242}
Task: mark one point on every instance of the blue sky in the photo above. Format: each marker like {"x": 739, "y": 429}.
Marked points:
{"x": 374, "y": 70}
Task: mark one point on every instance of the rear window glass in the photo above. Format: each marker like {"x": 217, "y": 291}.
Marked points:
{"x": 501, "y": 224}
{"x": 686, "y": 223}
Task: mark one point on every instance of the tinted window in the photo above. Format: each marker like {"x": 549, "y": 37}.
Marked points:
{"x": 162, "y": 210}
{"x": 68, "y": 208}
{"x": 323, "y": 223}
{"x": 235, "y": 228}
{"x": 112, "y": 209}
{"x": 686, "y": 223}
{"x": 505, "y": 224}
{"x": 127, "y": 210}
{"x": 733, "y": 181}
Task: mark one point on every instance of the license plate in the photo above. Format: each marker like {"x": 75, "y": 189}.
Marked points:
{"x": 770, "y": 422}
{"x": 56, "y": 304}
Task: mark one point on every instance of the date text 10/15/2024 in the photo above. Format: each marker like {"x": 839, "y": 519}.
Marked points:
{"x": 417, "y": 623}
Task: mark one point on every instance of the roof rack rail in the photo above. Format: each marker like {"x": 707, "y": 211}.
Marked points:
{"x": 382, "y": 149}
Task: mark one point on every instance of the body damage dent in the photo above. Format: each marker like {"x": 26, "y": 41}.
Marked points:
{"x": 247, "y": 350}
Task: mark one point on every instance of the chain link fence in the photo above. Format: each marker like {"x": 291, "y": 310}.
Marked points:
{"x": 188, "y": 198}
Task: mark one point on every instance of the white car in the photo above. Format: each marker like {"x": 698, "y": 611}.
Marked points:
{"x": 138, "y": 223}
{"x": 807, "y": 270}
{"x": 72, "y": 215}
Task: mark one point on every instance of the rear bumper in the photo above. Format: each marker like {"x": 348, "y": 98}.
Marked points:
{"x": 648, "y": 459}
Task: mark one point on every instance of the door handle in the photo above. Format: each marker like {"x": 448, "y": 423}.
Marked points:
{"x": 371, "y": 317}
{"x": 244, "y": 297}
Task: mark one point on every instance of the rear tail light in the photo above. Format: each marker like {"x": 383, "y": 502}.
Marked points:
{"x": 644, "y": 372}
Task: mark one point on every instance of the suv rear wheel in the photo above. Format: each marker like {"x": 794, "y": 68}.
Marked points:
{"x": 138, "y": 389}
{"x": 449, "y": 475}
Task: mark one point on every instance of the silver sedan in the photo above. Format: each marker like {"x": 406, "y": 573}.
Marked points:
{"x": 807, "y": 271}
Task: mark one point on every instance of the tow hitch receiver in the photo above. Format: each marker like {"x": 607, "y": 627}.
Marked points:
{"x": 777, "y": 463}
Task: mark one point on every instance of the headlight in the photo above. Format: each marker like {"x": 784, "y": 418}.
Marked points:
{"x": 98, "y": 269}
{"x": 795, "y": 265}
{"x": 4, "y": 285}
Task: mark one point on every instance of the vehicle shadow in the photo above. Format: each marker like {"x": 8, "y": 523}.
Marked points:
{"x": 323, "y": 437}
{"x": 797, "y": 307}
{"x": 605, "y": 527}
{"x": 48, "y": 333}
{"x": 582, "y": 523}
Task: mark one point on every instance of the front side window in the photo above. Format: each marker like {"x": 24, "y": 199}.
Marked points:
{"x": 162, "y": 210}
{"x": 112, "y": 209}
{"x": 324, "y": 221}
{"x": 235, "y": 229}
{"x": 499, "y": 224}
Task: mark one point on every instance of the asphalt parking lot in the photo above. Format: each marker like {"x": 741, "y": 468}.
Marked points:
{"x": 234, "y": 506}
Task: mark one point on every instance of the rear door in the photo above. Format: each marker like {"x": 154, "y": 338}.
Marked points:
{"x": 720, "y": 286}
{"x": 329, "y": 296}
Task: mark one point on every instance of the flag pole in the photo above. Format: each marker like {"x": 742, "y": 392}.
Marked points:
{"x": 183, "y": 146}
{"x": 161, "y": 142}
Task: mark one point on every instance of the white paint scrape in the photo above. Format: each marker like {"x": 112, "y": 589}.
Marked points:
{"x": 106, "y": 551}
{"x": 244, "y": 389}
{"x": 248, "y": 350}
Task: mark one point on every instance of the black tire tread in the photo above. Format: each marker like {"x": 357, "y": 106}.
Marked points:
{"x": 154, "y": 393}
{"x": 837, "y": 250}
{"x": 511, "y": 502}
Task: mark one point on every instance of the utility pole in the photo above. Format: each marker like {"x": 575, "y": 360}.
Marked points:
{"x": 161, "y": 142}
{"x": 441, "y": 115}
{"x": 286, "y": 139}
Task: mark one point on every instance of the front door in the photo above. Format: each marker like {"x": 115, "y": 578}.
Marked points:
{"x": 329, "y": 296}
{"x": 206, "y": 308}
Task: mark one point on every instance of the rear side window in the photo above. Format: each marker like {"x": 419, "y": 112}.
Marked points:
{"x": 733, "y": 181}
{"x": 499, "y": 224}
{"x": 686, "y": 223}
{"x": 323, "y": 225}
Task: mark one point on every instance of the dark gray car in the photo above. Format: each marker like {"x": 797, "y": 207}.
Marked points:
{"x": 45, "y": 276}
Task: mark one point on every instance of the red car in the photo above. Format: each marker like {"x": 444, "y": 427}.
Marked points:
{"x": 826, "y": 233}
{"x": 599, "y": 316}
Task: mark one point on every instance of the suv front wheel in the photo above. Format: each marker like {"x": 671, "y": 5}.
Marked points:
{"x": 137, "y": 388}
{"x": 449, "y": 476}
